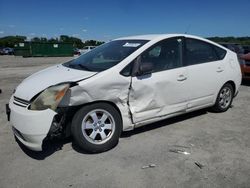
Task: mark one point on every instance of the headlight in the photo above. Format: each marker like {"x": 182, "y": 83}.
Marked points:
{"x": 50, "y": 97}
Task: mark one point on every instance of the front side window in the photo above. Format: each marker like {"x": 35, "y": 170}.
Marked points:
{"x": 199, "y": 52}
{"x": 164, "y": 55}
{"x": 105, "y": 56}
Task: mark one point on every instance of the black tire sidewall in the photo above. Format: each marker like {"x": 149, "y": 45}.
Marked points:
{"x": 82, "y": 142}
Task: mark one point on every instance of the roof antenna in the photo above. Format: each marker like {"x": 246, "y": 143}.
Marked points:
{"x": 187, "y": 29}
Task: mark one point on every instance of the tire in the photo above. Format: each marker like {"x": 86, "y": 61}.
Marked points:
{"x": 224, "y": 98}
{"x": 97, "y": 127}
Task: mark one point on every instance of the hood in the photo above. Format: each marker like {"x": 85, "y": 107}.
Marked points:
{"x": 48, "y": 77}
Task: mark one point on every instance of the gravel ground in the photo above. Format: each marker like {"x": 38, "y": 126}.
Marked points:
{"x": 217, "y": 142}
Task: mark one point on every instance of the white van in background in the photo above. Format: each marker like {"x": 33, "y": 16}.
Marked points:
{"x": 86, "y": 49}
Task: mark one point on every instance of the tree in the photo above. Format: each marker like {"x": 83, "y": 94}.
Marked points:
{"x": 236, "y": 40}
{"x": 10, "y": 41}
{"x": 92, "y": 43}
{"x": 53, "y": 40}
{"x": 77, "y": 43}
{"x": 36, "y": 39}
{"x": 64, "y": 38}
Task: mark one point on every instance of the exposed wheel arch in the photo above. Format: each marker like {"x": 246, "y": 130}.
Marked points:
{"x": 233, "y": 85}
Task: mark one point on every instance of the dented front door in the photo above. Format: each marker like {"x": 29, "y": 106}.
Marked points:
{"x": 164, "y": 91}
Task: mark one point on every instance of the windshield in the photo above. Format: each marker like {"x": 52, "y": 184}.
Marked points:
{"x": 106, "y": 55}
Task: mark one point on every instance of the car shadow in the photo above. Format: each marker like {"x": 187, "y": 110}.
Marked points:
{"x": 79, "y": 150}
{"x": 245, "y": 82}
{"x": 162, "y": 123}
{"x": 52, "y": 146}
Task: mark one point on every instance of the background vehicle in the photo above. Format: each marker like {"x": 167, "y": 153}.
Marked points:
{"x": 77, "y": 51}
{"x": 6, "y": 51}
{"x": 86, "y": 49}
{"x": 245, "y": 66}
{"x": 121, "y": 85}
{"x": 237, "y": 48}
{"x": 243, "y": 56}
{"x": 246, "y": 49}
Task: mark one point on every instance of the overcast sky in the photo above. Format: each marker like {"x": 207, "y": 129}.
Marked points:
{"x": 106, "y": 19}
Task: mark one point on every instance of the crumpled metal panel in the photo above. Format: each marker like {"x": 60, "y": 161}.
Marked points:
{"x": 158, "y": 94}
{"x": 113, "y": 88}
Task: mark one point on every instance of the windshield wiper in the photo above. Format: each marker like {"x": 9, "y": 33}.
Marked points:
{"x": 84, "y": 67}
{"x": 73, "y": 65}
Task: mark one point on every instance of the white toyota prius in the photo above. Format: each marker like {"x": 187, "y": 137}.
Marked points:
{"x": 121, "y": 85}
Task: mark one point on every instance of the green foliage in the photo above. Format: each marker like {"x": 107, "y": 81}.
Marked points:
{"x": 92, "y": 43}
{"x": 53, "y": 40}
{"x": 10, "y": 41}
{"x": 77, "y": 43}
{"x": 236, "y": 40}
{"x": 35, "y": 39}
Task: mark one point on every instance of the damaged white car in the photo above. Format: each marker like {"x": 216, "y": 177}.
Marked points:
{"x": 120, "y": 85}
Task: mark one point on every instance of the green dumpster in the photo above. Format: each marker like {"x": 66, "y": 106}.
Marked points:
{"x": 43, "y": 49}
{"x": 22, "y": 49}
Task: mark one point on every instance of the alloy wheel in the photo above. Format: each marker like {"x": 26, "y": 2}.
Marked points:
{"x": 225, "y": 97}
{"x": 98, "y": 126}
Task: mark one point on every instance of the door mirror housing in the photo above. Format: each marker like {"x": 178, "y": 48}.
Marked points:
{"x": 145, "y": 68}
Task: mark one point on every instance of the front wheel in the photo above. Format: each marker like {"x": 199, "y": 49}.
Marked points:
{"x": 97, "y": 127}
{"x": 224, "y": 98}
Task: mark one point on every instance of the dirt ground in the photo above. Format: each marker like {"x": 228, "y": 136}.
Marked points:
{"x": 218, "y": 143}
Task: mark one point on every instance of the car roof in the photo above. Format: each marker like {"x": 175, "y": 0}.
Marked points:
{"x": 156, "y": 36}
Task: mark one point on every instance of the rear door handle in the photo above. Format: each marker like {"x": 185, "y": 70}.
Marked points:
{"x": 219, "y": 69}
{"x": 181, "y": 78}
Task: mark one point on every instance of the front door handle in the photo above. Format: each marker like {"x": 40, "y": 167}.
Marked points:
{"x": 219, "y": 69}
{"x": 181, "y": 78}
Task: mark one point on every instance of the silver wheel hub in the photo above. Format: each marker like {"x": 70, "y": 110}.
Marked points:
{"x": 225, "y": 97}
{"x": 98, "y": 126}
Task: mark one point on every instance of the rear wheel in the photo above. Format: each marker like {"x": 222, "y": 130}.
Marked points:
{"x": 224, "y": 98}
{"x": 97, "y": 127}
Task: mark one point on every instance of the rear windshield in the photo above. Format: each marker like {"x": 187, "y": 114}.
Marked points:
{"x": 106, "y": 55}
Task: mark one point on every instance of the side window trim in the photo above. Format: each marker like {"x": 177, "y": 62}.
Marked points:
{"x": 184, "y": 54}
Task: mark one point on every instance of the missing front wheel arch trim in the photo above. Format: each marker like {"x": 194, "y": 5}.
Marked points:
{"x": 61, "y": 124}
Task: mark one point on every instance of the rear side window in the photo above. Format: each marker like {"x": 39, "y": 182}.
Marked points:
{"x": 199, "y": 52}
{"x": 221, "y": 53}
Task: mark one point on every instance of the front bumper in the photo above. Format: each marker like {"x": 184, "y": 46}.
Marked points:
{"x": 29, "y": 126}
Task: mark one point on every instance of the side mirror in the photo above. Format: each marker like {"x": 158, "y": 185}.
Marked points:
{"x": 145, "y": 68}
